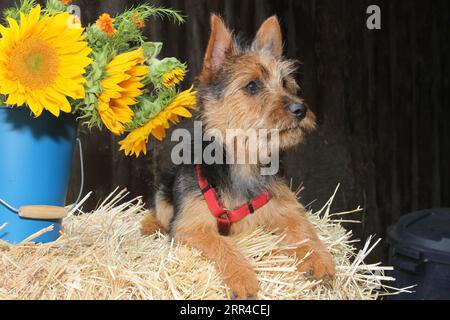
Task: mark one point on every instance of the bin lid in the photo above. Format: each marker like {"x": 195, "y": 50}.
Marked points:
{"x": 423, "y": 235}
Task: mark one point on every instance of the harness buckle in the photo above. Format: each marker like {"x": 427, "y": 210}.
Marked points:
{"x": 251, "y": 209}
{"x": 224, "y": 224}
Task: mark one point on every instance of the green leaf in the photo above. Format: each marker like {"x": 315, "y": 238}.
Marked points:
{"x": 152, "y": 49}
{"x": 23, "y": 6}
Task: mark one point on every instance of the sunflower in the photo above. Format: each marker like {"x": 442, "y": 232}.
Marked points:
{"x": 120, "y": 89}
{"x": 136, "y": 141}
{"x": 174, "y": 77}
{"x": 42, "y": 62}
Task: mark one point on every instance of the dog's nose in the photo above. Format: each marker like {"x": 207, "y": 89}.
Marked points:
{"x": 298, "y": 110}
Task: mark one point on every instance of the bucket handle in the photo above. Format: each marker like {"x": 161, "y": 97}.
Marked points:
{"x": 43, "y": 212}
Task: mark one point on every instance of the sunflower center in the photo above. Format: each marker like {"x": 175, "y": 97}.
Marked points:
{"x": 35, "y": 63}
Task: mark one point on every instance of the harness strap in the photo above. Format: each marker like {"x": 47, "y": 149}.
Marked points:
{"x": 226, "y": 217}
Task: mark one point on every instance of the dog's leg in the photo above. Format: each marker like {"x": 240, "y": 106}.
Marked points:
{"x": 197, "y": 228}
{"x": 319, "y": 264}
{"x": 150, "y": 225}
{"x": 159, "y": 217}
{"x": 292, "y": 221}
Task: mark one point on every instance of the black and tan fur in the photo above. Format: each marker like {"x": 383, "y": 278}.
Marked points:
{"x": 226, "y": 101}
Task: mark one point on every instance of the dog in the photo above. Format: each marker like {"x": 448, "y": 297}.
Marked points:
{"x": 242, "y": 87}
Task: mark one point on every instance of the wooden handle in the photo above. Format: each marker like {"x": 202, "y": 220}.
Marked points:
{"x": 43, "y": 212}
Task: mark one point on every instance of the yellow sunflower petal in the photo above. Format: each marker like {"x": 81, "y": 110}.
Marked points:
{"x": 180, "y": 111}
{"x": 159, "y": 133}
{"x": 135, "y": 143}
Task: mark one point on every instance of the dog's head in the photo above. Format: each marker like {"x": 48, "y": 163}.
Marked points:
{"x": 252, "y": 87}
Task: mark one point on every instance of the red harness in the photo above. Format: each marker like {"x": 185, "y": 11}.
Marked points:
{"x": 224, "y": 216}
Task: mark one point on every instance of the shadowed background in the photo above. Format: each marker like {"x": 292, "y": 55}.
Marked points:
{"x": 381, "y": 98}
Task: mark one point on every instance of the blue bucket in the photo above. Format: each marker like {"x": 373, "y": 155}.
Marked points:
{"x": 35, "y": 165}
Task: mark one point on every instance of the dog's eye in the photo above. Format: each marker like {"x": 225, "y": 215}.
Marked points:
{"x": 253, "y": 87}
{"x": 290, "y": 86}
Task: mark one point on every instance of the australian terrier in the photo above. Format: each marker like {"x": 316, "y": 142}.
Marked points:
{"x": 242, "y": 88}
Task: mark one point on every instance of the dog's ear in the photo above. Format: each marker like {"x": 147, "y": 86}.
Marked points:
{"x": 220, "y": 44}
{"x": 269, "y": 37}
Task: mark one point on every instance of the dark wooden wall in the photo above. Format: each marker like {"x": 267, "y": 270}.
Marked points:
{"x": 381, "y": 98}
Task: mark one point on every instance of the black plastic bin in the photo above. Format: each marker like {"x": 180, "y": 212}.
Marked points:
{"x": 420, "y": 254}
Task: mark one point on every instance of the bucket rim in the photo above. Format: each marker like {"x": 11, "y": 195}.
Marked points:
{"x": 431, "y": 250}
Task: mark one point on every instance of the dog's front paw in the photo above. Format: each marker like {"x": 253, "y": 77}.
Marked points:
{"x": 243, "y": 284}
{"x": 150, "y": 225}
{"x": 319, "y": 265}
